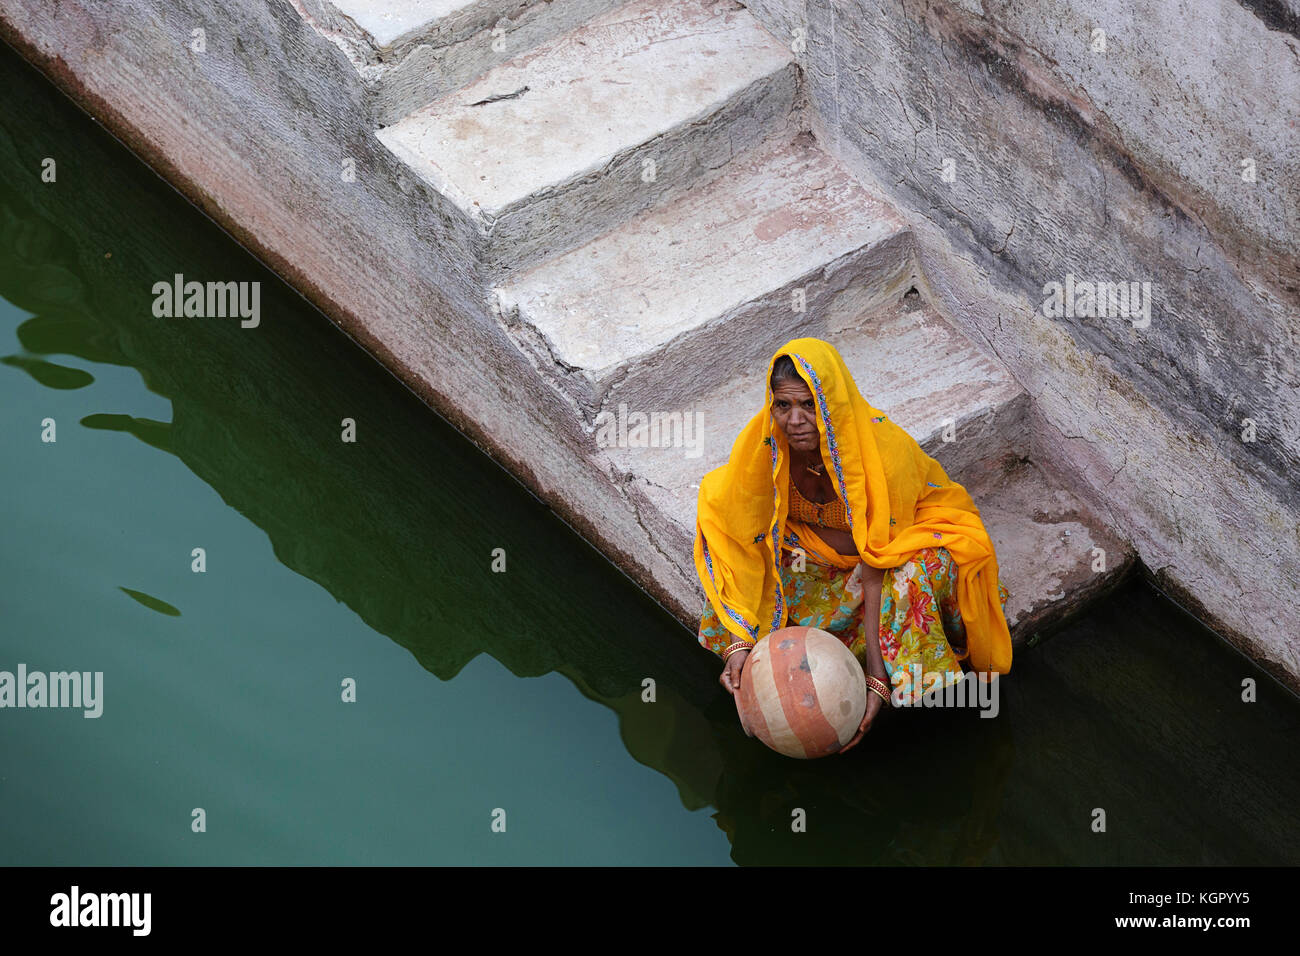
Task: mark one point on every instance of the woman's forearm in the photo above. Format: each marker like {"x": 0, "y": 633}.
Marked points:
{"x": 873, "y": 580}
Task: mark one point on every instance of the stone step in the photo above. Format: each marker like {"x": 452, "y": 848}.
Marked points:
{"x": 692, "y": 293}
{"x": 560, "y": 144}
{"x": 409, "y": 52}
{"x": 961, "y": 406}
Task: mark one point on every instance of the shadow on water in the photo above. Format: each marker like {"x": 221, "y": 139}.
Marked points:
{"x": 1131, "y": 710}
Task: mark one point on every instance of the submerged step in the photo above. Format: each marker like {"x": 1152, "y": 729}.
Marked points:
{"x": 566, "y": 141}
{"x": 408, "y": 52}
{"x": 685, "y": 295}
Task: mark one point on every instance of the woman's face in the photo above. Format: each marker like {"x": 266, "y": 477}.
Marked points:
{"x": 793, "y": 411}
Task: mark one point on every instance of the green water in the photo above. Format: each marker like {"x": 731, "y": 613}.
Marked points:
{"x": 475, "y": 690}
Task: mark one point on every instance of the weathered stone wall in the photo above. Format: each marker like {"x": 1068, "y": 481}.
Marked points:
{"x": 387, "y": 259}
{"x": 1124, "y": 165}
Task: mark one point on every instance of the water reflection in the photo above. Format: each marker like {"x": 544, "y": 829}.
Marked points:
{"x": 156, "y": 434}
{"x": 151, "y": 602}
{"x": 49, "y": 374}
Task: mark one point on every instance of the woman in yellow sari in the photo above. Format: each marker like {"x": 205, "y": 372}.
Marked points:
{"x": 829, "y": 515}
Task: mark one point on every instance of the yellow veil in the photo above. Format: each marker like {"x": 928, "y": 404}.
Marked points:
{"x": 900, "y": 501}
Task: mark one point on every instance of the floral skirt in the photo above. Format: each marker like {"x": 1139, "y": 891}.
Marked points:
{"x": 920, "y": 631}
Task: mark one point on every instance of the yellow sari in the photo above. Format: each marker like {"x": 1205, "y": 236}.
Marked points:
{"x": 900, "y": 501}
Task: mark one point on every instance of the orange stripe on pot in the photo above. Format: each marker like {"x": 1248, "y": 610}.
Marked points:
{"x": 798, "y": 693}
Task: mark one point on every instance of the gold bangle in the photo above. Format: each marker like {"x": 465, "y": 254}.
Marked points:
{"x": 732, "y": 648}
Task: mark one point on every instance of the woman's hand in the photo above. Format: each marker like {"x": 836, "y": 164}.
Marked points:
{"x": 874, "y": 705}
{"x": 730, "y": 678}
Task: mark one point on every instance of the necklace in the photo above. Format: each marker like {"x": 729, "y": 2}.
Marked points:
{"x": 819, "y": 471}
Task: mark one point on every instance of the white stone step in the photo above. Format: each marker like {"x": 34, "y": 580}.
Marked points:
{"x": 692, "y": 293}
{"x": 409, "y": 52}
{"x": 556, "y": 146}
{"x": 392, "y": 27}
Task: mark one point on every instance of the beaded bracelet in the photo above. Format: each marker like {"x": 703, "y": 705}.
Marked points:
{"x": 878, "y": 686}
